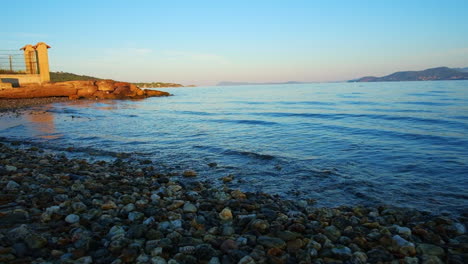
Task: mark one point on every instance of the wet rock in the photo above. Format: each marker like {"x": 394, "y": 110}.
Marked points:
{"x": 246, "y": 260}
{"x": 426, "y": 259}
{"x": 84, "y": 260}
{"x": 72, "y": 219}
{"x": 204, "y": 252}
{"x": 341, "y": 252}
{"x": 158, "y": 260}
{"x": 228, "y": 230}
{"x": 10, "y": 168}
{"x": 35, "y": 241}
{"x": 228, "y": 245}
{"x": 108, "y": 205}
{"x": 136, "y": 216}
{"x": 379, "y": 255}
{"x": 128, "y": 208}
{"x": 288, "y": 235}
{"x": 189, "y": 173}
{"x": 359, "y": 257}
{"x": 12, "y": 185}
{"x": 175, "y": 204}
{"x": 411, "y": 260}
{"x": 116, "y": 232}
{"x": 137, "y": 231}
{"x": 271, "y": 242}
{"x": 404, "y": 247}
{"x": 6, "y": 258}
{"x": 332, "y": 233}
{"x": 432, "y": 250}
{"x": 21, "y": 249}
{"x": 189, "y": 208}
{"x": 260, "y": 225}
{"x": 225, "y": 214}
{"x": 405, "y": 231}
{"x": 236, "y": 194}
{"x": 228, "y": 178}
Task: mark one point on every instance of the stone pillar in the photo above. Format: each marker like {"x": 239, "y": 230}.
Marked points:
{"x": 43, "y": 61}
{"x": 30, "y": 59}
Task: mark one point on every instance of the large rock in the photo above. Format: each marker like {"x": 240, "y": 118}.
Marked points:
{"x": 156, "y": 93}
{"x": 106, "y": 85}
{"x": 105, "y": 89}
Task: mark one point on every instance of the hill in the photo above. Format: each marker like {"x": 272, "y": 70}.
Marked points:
{"x": 66, "y": 76}
{"x": 224, "y": 83}
{"x": 461, "y": 69}
{"x": 434, "y": 74}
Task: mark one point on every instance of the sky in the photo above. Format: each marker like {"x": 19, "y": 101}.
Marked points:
{"x": 205, "y": 42}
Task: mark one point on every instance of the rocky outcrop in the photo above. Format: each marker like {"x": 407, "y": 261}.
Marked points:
{"x": 102, "y": 89}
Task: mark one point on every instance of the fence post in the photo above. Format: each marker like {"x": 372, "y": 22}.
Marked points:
{"x": 11, "y": 65}
{"x": 43, "y": 61}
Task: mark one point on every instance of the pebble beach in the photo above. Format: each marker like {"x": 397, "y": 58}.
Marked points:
{"x": 54, "y": 209}
{"x": 9, "y": 105}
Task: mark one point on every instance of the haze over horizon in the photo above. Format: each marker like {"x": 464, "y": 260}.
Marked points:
{"x": 205, "y": 42}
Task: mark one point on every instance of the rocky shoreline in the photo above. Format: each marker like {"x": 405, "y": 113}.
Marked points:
{"x": 8, "y": 105}
{"x": 59, "y": 210}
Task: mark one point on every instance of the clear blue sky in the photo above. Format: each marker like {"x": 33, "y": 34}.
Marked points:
{"x": 203, "y": 42}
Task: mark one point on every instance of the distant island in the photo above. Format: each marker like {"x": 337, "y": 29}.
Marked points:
{"x": 66, "y": 76}
{"x": 224, "y": 83}
{"x": 434, "y": 74}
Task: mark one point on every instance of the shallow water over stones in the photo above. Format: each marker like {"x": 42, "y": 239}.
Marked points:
{"x": 114, "y": 217}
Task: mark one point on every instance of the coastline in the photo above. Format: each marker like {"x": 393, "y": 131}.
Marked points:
{"x": 7, "y": 105}
{"x": 63, "y": 210}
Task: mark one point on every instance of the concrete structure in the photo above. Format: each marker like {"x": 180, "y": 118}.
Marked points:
{"x": 36, "y": 60}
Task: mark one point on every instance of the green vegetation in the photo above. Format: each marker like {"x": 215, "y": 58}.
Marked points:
{"x": 66, "y": 76}
{"x": 157, "y": 84}
{"x": 11, "y": 72}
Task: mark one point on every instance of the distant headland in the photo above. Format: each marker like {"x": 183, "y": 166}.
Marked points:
{"x": 66, "y": 76}
{"x": 433, "y": 74}
{"x": 225, "y": 83}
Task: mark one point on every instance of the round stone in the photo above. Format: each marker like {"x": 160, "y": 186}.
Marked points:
{"x": 72, "y": 219}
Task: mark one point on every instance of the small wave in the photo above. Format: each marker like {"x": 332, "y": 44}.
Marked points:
{"x": 304, "y": 103}
{"x": 399, "y": 110}
{"x": 434, "y": 140}
{"x": 249, "y": 154}
{"x": 460, "y": 117}
{"x": 426, "y": 103}
{"x": 370, "y": 116}
{"x": 425, "y": 94}
{"x": 441, "y": 92}
{"x": 246, "y": 122}
{"x": 247, "y": 102}
{"x": 194, "y": 113}
{"x": 360, "y": 103}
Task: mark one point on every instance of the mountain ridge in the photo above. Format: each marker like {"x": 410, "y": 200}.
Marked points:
{"x": 432, "y": 74}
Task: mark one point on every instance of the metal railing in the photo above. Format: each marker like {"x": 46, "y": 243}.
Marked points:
{"x": 13, "y": 62}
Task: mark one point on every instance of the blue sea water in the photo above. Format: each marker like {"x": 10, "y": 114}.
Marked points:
{"x": 402, "y": 143}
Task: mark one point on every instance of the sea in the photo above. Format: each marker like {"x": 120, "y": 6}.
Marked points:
{"x": 390, "y": 143}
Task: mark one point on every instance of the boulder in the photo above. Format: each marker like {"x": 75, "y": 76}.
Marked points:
{"x": 86, "y": 91}
{"x": 105, "y": 89}
{"x": 155, "y": 93}
{"x": 105, "y": 85}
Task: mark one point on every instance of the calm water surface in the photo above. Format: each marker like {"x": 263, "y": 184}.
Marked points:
{"x": 403, "y": 143}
